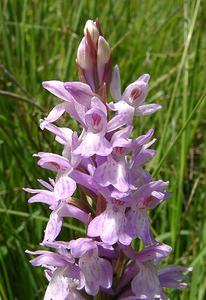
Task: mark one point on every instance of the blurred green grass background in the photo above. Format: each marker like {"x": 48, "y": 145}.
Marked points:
{"x": 39, "y": 40}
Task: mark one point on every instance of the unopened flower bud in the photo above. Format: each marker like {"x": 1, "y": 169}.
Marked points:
{"x": 92, "y": 29}
{"x": 83, "y": 57}
{"x": 103, "y": 51}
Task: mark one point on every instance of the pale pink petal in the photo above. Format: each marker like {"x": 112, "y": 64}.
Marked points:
{"x": 109, "y": 225}
{"x": 115, "y": 86}
{"x": 64, "y": 187}
{"x": 94, "y": 144}
{"x": 80, "y": 91}
{"x": 54, "y": 115}
{"x": 147, "y": 109}
{"x": 57, "y": 88}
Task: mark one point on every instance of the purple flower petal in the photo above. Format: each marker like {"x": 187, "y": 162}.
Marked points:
{"x": 43, "y": 196}
{"x": 113, "y": 172}
{"x": 63, "y": 135}
{"x": 62, "y": 286}
{"x": 53, "y": 227}
{"x": 155, "y": 252}
{"x": 96, "y": 121}
{"x": 53, "y": 162}
{"x": 146, "y": 283}
{"x": 109, "y": 225}
{"x": 57, "y": 88}
{"x": 115, "y": 86}
{"x": 94, "y": 144}
{"x": 80, "y": 91}
{"x": 136, "y": 93}
{"x": 138, "y": 225}
{"x": 64, "y": 187}
{"x": 171, "y": 277}
{"x": 47, "y": 258}
{"x": 121, "y": 137}
{"x": 124, "y": 116}
{"x": 147, "y": 109}
{"x": 80, "y": 246}
{"x": 54, "y": 115}
{"x": 46, "y": 184}
{"x": 95, "y": 272}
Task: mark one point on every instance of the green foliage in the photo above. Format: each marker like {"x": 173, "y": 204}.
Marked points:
{"x": 39, "y": 40}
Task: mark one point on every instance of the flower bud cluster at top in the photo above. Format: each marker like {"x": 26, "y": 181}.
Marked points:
{"x": 94, "y": 58}
{"x": 106, "y": 166}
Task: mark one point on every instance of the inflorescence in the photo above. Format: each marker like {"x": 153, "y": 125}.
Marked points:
{"x": 101, "y": 181}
